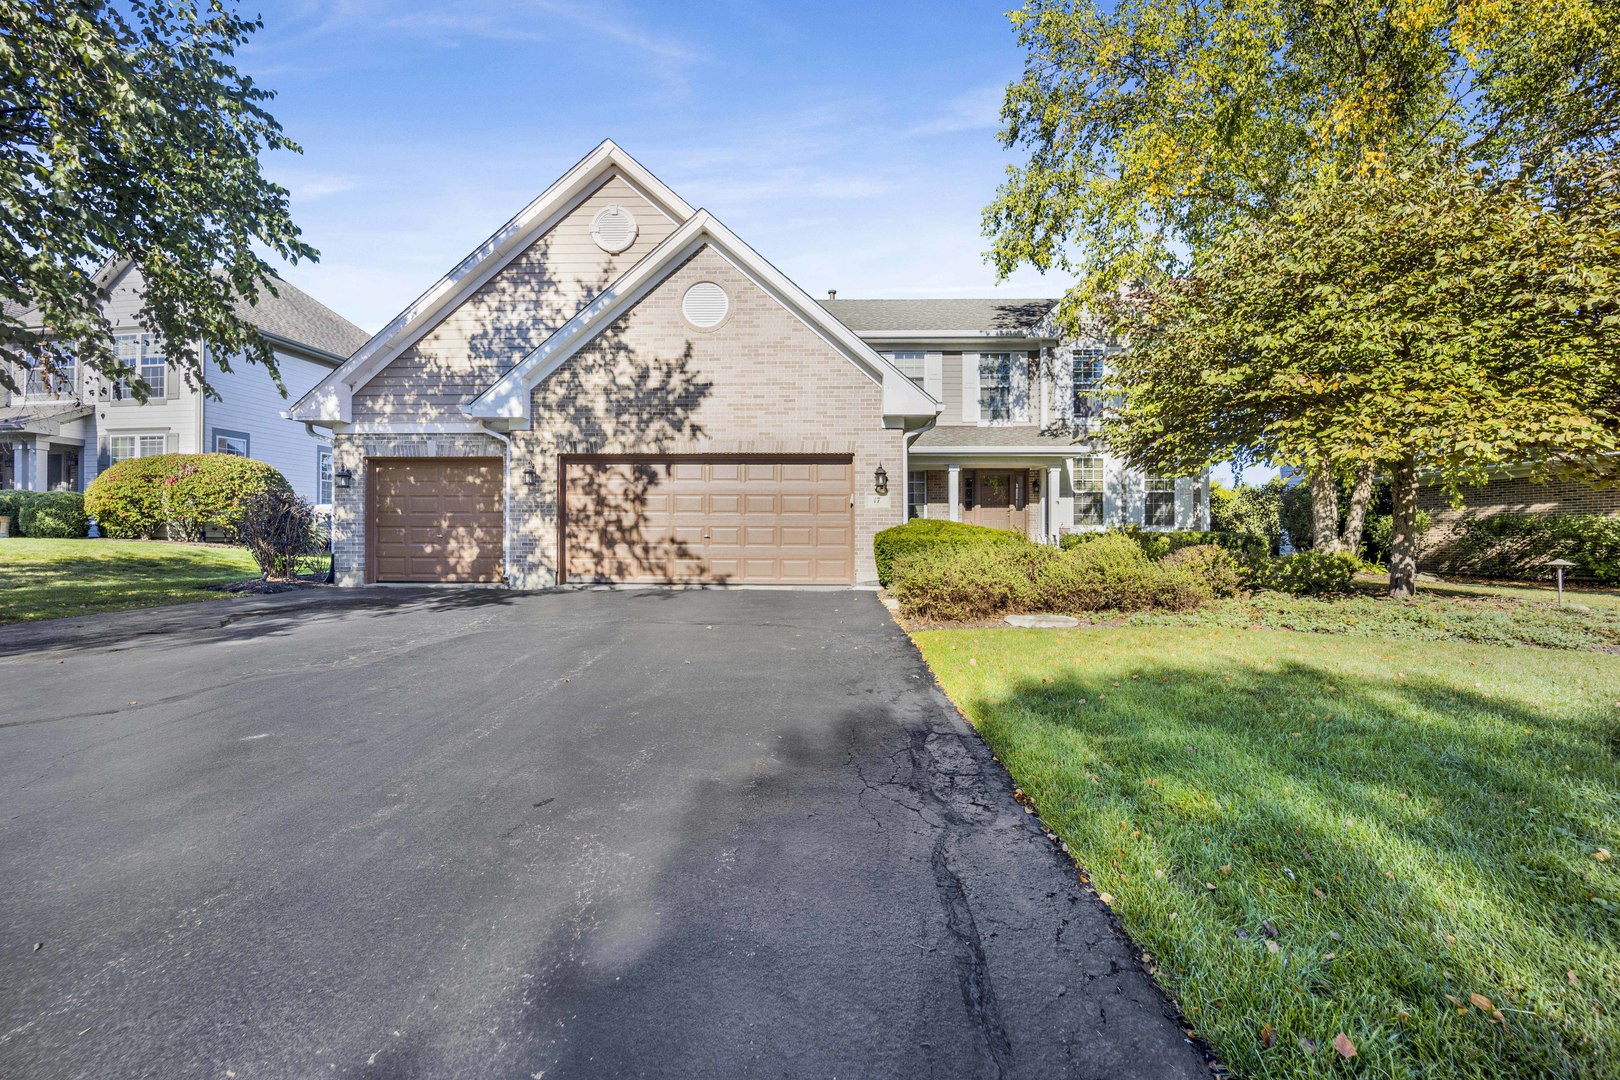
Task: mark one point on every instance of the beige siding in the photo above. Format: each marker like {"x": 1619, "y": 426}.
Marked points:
{"x": 509, "y": 315}
{"x": 952, "y": 382}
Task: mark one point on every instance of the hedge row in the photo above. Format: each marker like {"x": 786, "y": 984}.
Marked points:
{"x": 928, "y": 534}
{"x": 1156, "y": 544}
{"x": 177, "y": 496}
{"x": 45, "y": 514}
{"x": 1520, "y": 545}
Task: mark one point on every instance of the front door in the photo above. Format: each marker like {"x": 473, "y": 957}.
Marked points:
{"x": 995, "y": 498}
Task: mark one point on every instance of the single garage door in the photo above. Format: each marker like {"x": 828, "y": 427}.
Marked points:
{"x": 778, "y": 521}
{"x": 435, "y": 519}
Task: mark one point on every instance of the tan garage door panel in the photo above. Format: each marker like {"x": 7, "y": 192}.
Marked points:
{"x": 435, "y": 519}
{"x": 778, "y": 522}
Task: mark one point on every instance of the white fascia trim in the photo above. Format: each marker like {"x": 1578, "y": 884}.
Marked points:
{"x": 993, "y": 451}
{"x": 510, "y": 397}
{"x": 444, "y": 427}
{"x": 952, "y": 337}
{"x": 321, "y": 403}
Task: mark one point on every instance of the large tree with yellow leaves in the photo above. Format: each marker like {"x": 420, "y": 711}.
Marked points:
{"x": 1165, "y": 135}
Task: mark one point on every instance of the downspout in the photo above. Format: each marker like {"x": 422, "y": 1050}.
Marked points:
{"x": 905, "y": 459}
{"x": 506, "y": 499}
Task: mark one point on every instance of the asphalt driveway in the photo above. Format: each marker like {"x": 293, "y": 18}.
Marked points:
{"x": 592, "y": 834}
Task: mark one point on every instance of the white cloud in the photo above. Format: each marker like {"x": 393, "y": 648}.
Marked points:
{"x": 976, "y": 110}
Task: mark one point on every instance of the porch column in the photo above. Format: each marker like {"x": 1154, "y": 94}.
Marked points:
{"x": 1053, "y": 472}
{"x": 42, "y": 458}
{"x": 953, "y": 490}
{"x": 19, "y": 463}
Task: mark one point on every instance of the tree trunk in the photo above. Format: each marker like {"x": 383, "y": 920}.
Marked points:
{"x": 1324, "y": 510}
{"x": 1355, "y": 515}
{"x": 1403, "y": 545}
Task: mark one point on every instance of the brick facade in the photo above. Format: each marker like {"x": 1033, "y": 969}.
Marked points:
{"x": 762, "y": 382}
{"x": 1507, "y": 495}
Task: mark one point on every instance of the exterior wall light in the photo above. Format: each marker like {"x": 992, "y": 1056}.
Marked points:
{"x": 530, "y": 477}
{"x": 880, "y": 481}
{"x": 344, "y": 478}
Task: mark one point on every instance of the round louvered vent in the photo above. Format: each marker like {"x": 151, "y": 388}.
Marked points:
{"x": 613, "y": 228}
{"x": 705, "y": 305}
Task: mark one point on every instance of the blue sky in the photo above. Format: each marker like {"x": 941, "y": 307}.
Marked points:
{"x": 851, "y": 144}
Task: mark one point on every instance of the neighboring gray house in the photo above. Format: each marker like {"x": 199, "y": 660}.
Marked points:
{"x": 1017, "y": 443}
{"x": 58, "y": 432}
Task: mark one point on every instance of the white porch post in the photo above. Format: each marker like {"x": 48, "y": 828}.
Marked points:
{"x": 42, "y": 458}
{"x": 953, "y": 490}
{"x": 1053, "y": 472}
{"x": 19, "y": 463}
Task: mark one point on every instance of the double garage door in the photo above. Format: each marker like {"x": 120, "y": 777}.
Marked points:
{"x": 781, "y": 521}
{"x": 775, "y": 521}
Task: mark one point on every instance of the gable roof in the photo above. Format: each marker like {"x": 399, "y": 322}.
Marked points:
{"x": 294, "y": 317}
{"x": 510, "y": 398}
{"x": 330, "y": 399}
{"x": 964, "y": 317}
{"x": 291, "y": 317}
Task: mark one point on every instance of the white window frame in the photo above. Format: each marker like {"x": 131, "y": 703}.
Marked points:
{"x": 1089, "y": 389}
{"x": 147, "y": 357}
{"x": 1160, "y": 488}
{"x": 916, "y": 494}
{"x": 221, "y": 435}
{"x": 917, "y": 358}
{"x": 139, "y": 444}
{"x": 1089, "y": 470}
{"x": 1000, "y": 382}
{"x": 324, "y": 476}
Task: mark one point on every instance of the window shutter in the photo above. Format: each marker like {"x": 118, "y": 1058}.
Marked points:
{"x": 934, "y": 375}
{"x": 172, "y": 443}
{"x": 970, "y": 388}
{"x": 171, "y": 389}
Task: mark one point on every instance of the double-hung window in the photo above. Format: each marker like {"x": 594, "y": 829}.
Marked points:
{"x": 1159, "y": 507}
{"x": 143, "y": 353}
{"x": 1088, "y": 377}
{"x": 1088, "y": 491}
{"x": 323, "y": 475}
{"x": 916, "y": 495}
{"x": 124, "y": 447}
{"x": 995, "y": 387}
{"x": 911, "y": 364}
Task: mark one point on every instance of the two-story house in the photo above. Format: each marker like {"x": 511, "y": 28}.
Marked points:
{"x": 1017, "y": 441}
{"x": 58, "y": 430}
{"x": 614, "y": 387}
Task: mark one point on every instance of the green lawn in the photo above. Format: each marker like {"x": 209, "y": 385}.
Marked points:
{"x": 1314, "y": 833}
{"x": 47, "y": 579}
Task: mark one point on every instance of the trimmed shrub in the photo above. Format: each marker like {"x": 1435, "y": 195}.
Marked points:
{"x": 1157, "y": 545}
{"x": 1520, "y": 545}
{"x": 1307, "y": 573}
{"x": 176, "y": 496}
{"x": 925, "y": 534}
{"x": 1110, "y": 573}
{"x": 1218, "y": 567}
{"x": 11, "y": 506}
{"x": 54, "y": 515}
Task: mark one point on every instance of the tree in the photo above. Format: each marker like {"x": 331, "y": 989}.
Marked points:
{"x": 1249, "y": 510}
{"x": 1423, "y": 319}
{"x": 126, "y": 132}
{"x": 1165, "y": 128}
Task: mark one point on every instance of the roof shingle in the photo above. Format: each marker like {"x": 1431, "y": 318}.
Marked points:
{"x": 942, "y": 317}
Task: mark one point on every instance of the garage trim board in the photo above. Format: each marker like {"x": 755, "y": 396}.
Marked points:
{"x": 741, "y": 519}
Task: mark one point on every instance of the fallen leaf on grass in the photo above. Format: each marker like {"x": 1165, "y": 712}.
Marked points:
{"x": 1601, "y": 854}
{"x": 1346, "y": 1048}
{"x": 1268, "y": 1037}
{"x": 1460, "y": 1006}
{"x": 1107, "y": 898}
{"x": 1569, "y": 976}
{"x": 1307, "y": 1045}
{"x": 1482, "y": 1003}
{"x": 1273, "y": 947}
